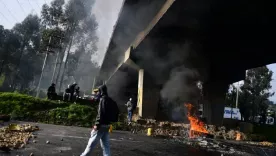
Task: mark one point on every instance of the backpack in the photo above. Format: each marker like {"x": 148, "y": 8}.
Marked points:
{"x": 112, "y": 111}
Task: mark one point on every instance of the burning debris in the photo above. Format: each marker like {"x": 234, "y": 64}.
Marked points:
{"x": 16, "y": 136}
{"x": 195, "y": 124}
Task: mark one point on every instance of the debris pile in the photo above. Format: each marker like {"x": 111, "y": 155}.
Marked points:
{"x": 161, "y": 129}
{"x": 223, "y": 133}
{"x": 263, "y": 143}
{"x": 174, "y": 130}
{"x": 16, "y": 136}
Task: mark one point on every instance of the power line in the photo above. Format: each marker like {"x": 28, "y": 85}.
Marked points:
{"x": 32, "y": 6}
{"x": 9, "y": 11}
{"x": 21, "y": 7}
{"x": 37, "y": 4}
{"x": 5, "y": 17}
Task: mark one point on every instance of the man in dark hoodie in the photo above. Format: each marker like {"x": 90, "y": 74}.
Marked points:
{"x": 51, "y": 92}
{"x": 100, "y": 132}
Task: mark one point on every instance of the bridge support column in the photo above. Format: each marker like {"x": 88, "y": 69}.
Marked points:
{"x": 148, "y": 97}
{"x": 214, "y": 101}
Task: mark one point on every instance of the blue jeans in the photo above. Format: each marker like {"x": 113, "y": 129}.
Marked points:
{"x": 129, "y": 115}
{"x": 101, "y": 135}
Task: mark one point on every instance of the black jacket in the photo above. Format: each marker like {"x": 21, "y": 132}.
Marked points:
{"x": 102, "y": 116}
{"x": 52, "y": 89}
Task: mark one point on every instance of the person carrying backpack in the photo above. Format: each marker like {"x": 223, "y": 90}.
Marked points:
{"x": 130, "y": 108}
{"x": 108, "y": 112}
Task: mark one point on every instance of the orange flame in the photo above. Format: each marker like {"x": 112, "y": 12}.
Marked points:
{"x": 196, "y": 124}
{"x": 238, "y": 136}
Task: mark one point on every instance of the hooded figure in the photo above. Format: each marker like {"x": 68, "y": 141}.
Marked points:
{"x": 51, "y": 92}
{"x": 103, "y": 90}
{"x": 103, "y": 106}
{"x": 103, "y": 120}
{"x": 67, "y": 94}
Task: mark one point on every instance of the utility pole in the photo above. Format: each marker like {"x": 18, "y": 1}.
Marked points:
{"x": 65, "y": 64}
{"x": 43, "y": 66}
{"x": 237, "y": 96}
{"x": 93, "y": 87}
{"x": 56, "y": 62}
{"x": 60, "y": 64}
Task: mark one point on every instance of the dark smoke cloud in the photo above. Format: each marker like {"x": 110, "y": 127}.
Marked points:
{"x": 182, "y": 86}
{"x": 179, "y": 89}
{"x": 175, "y": 66}
{"x": 117, "y": 87}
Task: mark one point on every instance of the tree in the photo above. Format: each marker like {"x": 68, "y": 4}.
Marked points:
{"x": 69, "y": 24}
{"x": 75, "y": 21}
{"x": 28, "y": 59}
{"x": 9, "y": 47}
{"x": 254, "y": 93}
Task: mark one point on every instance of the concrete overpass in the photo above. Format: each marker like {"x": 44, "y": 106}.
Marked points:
{"x": 219, "y": 39}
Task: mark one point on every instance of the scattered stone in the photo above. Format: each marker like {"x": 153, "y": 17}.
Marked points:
{"x": 203, "y": 143}
{"x": 47, "y": 142}
{"x": 232, "y": 150}
{"x": 31, "y": 154}
{"x": 34, "y": 141}
{"x": 60, "y": 151}
{"x": 22, "y": 146}
{"x": 61, "y": 139}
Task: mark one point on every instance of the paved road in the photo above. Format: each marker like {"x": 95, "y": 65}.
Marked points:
{"x": 122, "y": 143}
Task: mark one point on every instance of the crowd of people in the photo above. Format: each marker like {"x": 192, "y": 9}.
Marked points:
{"x": 71, "y": 93}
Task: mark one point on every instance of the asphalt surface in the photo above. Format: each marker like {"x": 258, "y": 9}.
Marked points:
{"x": 71, "y": 141}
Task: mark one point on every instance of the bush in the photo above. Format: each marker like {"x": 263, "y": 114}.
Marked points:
{"x": 28, "y": 108}
{"x": 15, "y": 101}
{"x": 77, "y": 115}
{"x": 267, "y": 131}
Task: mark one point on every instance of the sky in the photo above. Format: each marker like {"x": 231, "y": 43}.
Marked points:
{"x": 106, "y": 12}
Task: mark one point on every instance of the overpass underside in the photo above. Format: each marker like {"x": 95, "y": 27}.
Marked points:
{"x": 219, "y": 40}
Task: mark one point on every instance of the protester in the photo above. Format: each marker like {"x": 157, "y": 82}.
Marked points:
{"x": 72, "y": 90}
{"x": 76, "y": 94}
{"x": 67, "y": 94}
{"x": 95, "y": 95}
{"x": 107, "y": 113}
{"x": 51, "y": 92}
{"x": 130, "y": 107}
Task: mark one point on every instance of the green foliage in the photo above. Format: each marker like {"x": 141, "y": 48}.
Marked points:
{"x": 74, "y": 114}
{"x": 23, "y": 107}
{"x": 2, "y": 79}
{"x": 9, "y": 101}
{"x": 64, "y": 21}
{"x": 121, "y": 124}
{"x": 19, "y": 58}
